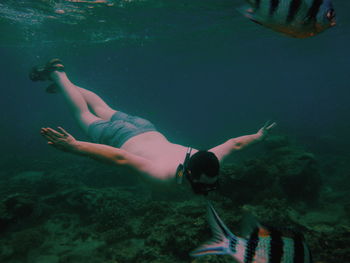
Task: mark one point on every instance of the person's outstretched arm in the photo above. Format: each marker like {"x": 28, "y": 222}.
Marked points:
{"x": 65, "y": 142}
{"x": 223, "y": 150}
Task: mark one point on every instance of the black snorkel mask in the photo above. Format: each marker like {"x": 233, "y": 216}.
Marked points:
{"x": 197, "y": 186}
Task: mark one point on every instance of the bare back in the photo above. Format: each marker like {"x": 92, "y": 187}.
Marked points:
{"x": 164, "y": 155}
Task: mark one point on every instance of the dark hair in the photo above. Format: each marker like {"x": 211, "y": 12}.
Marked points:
{"x": 203, "y": 162}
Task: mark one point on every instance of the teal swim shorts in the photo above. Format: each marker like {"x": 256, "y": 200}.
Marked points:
{"x": 120, "y": 128}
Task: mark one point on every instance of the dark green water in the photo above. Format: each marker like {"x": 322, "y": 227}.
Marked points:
{"x": 199, "y": 70}
{"x": 157, "y": 57}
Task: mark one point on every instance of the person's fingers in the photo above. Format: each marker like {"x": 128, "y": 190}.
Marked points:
{"x": 51, "y": 140}
{"x": 43, "y": 133}
{"x": 271, "y": 126}
{"x": 266, "y": 124}
{"x": 47, "y": 132}
{"x": 63, "y": 131}
{"x": 48, "y": 136}
{"x": 52, "y": 132}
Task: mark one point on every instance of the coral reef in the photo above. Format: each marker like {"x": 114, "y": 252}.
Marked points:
{"x": 66, "y": 215}
{"x": 284, "y": 171}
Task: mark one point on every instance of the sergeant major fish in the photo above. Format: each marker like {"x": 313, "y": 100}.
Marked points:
{"x": 296, "y": 18}
{"x": 262, "y": 245}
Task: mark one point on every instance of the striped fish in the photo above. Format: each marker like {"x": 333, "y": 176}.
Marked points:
{"x": 295, "y": 18}
{"x": 262, "y": 245}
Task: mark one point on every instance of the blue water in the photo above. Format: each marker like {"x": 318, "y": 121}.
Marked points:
{"x": 212, "y": 76}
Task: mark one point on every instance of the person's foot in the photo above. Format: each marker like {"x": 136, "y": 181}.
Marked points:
{"x": 42, "y": 73}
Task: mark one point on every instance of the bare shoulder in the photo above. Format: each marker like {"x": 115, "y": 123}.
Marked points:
{"x": 222, "y": 150}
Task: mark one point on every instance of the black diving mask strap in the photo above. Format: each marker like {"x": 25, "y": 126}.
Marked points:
{"x": 181, "y": 170}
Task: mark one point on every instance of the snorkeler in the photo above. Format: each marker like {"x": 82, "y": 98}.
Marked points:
{"x": 124, "y": 140}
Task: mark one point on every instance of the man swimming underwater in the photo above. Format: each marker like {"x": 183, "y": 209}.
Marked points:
{"x": 124, "y": 140}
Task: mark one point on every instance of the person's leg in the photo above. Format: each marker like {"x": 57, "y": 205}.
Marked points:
{"x": 96, "y": 104}
{"x": 75, "y": 99}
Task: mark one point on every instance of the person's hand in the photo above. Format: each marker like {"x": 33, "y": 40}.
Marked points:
{"x": 264, "y": 131}
{"x": 61, "y": 140}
